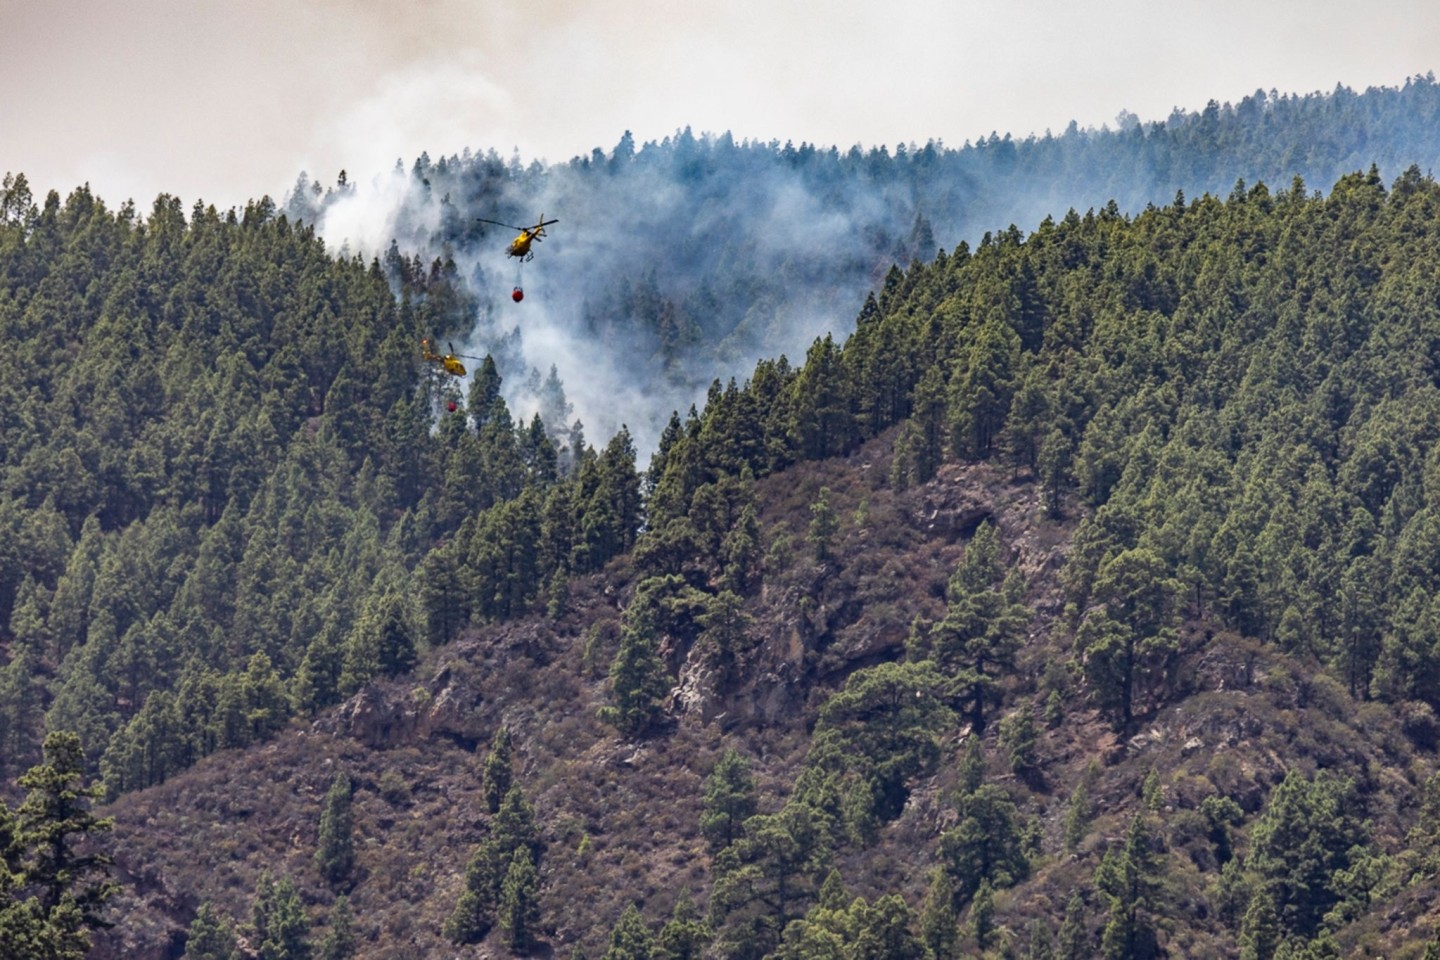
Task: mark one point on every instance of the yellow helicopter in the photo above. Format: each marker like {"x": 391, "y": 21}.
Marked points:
{"x": 520, "y": 246}
{"x": 449, "y": 362}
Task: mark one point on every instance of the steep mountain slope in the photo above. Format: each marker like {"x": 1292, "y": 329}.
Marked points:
{"x": 619, "y": 817}
{"x": 1225, "y": 403}
{"x": 632, "y": 805}
{"x": 1096, "y": 567}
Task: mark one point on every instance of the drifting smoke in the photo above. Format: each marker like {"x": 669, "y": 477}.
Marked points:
{"x": 671, "y": 266}
{"x": 685, "y": 261}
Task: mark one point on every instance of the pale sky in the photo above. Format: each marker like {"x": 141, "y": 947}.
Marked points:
{"x": 226, "y": 100}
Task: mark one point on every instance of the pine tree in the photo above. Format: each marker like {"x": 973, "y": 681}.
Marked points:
{"x": 211, "y": 936}
{"x": 630, "y": 938}
{"x": 823, "y": 525}
{"x": 495, "y": 776}
{"x": 902, "y": 462}
{"x": 381, "y": 643}
{"x": 638, "y": 682}
{"x": 340, "y": 942}
{"x": 984, "y": 623}
{"x": 985, "y": 846}
{"x": 1041, "y": 946}
{"x": 478, "y": 907}
{"x": 1078, "y": 811}
{"x": 21, "y": 706}
{"x": 335, "y": 850}
{"x": 54, "y": 826}
{"x": 939, "y": 924}
{"x": 1310, "y": 829}
{"x": 928, "y": 435}
{"x": 1131, "y": 637}
{"x": 1019, "y": 737}
{"x": 1075, "y": 941}
{"x": 515, "y": 825}
{"x": 1128, "y": 878}
{"x": 982, "y": 915}
{"x": 278, "y": 917}
{"x": 519, "y": 910}
{"x": 1260, "y": 933}
{"x": 764, "y": 878}
{"x": 686, "y": 934}
{"x": 740, "y": 553}
{"x": 317, "y": 681}
{"x": 724, "y": 635}
{"x": 729, "y": 800}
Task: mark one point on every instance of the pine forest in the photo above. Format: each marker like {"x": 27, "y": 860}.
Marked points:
{"x": 1071, "y": 590}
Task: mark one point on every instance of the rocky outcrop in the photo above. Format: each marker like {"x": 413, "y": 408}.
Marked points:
{"x": 388, "y": 714}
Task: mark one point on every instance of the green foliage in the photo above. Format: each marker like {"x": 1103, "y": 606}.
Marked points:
{"x": 872, "y": 739}
{"x": 212, "y": 936}
{"x": 630, "y": 939}
{"x": 1432, "y": 948}
{"x": 764, "y": 879}
{"x": 939, "y": 921}
{"x": 223, "y": 498}
{"x": 1040, "y": 945}
{"x": 982, "y": 915}
{"x": 224, "y": 451}
{"x": 496, "y": 775}
{"x": 985, "y": 845}
{"x": 824, "y": 524}
{"x": 1079, "y": 811}
{"x": 394, "y": 788}
{"x": 686, "y": 934}
{"x": 381, "y": 644}
{"x": 340, "y": 941}
{"x": 483, "y": 901}
{"x": 1221, "y": 814}
{"x": 1260, "y": 932}
{"x": 729, "y": 800}
{"x": 1128, "y": 643}
{"x": 857, "y": 929}
{"x": 53, "y": 829}
{"x": 1129, "y": 878}
{"x": 1074, "y": 941}
{"x": 984, "y": 623}
{"x": 724, "y": 634}
{"x": 280, "y": 927}
{"x": 1019, "y": 738}
{"x": 519, "y": 908}
{"x": 53, "y": 882}
{"x": 638, "y": 680}
{"x": 335, "y": 848}
{"x": 1309, "y": 833}
{"x": 607, "y": 505}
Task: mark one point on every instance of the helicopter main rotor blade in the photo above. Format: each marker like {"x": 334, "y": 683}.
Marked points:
{"x": 499, "y": 224}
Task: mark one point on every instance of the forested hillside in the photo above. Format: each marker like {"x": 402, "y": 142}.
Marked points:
{"x": 1095, "y": 568}
{"x": 224, "y": 464}
{"x": 678, "y": 261}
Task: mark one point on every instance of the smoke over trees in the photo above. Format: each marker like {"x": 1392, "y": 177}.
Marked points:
{"x": 682, "y": 261}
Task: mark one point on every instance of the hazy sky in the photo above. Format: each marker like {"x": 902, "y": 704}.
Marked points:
{"x": 224, "y": 100}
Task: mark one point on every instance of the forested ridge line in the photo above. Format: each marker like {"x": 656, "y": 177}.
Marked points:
{"x": 233, "y": 494}
{"x": 1231, "y": 403}
{"x": 683, "y": 259}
